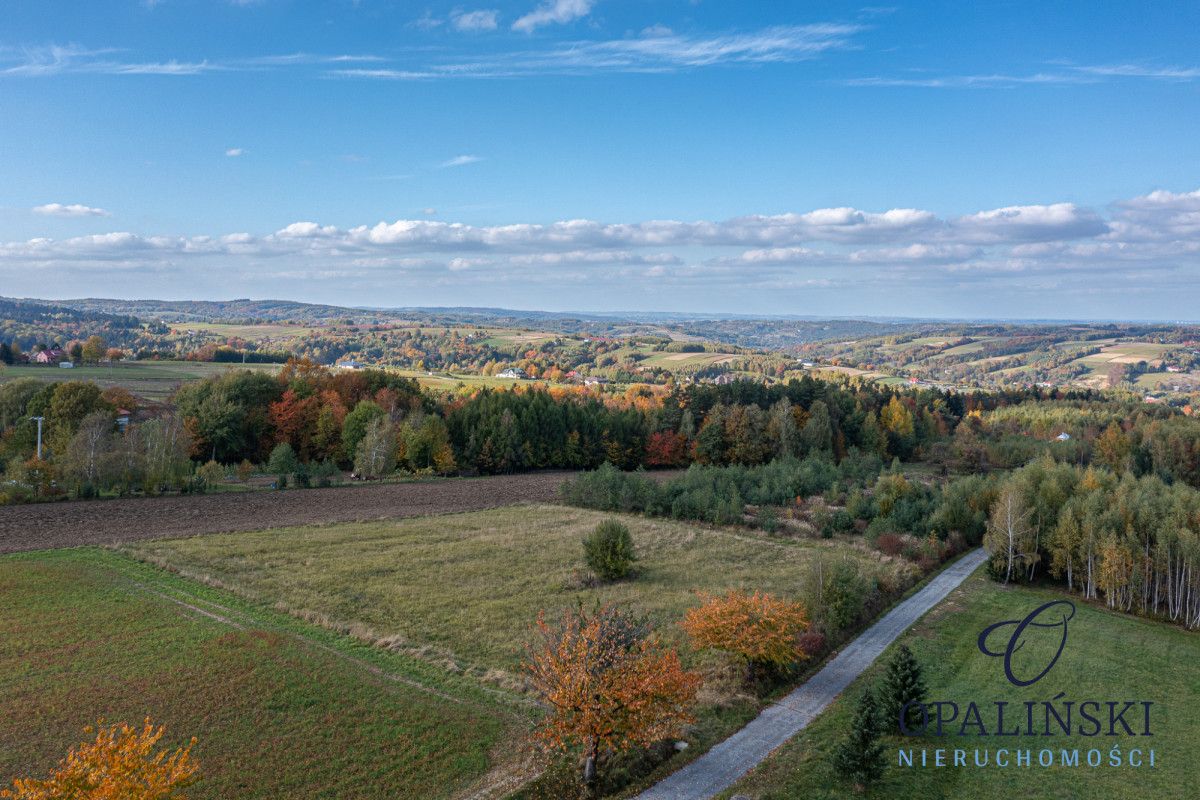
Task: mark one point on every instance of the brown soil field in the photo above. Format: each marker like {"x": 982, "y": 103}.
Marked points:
{"x": 42, "y": 526}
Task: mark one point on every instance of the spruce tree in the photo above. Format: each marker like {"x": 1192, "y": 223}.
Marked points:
{"x": 860, "y": 757}
{"x": 902, "y": 683}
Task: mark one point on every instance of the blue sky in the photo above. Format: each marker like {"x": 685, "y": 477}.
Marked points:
{"x": 922, "y": 159}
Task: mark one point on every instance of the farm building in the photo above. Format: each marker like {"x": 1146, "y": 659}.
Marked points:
{"x": 51, "y": 356}
{"x": 66, "y": 364}
{"x": 1063, "y": 437}
{"x": 513, "y": 372}
{"x": 349, "y": 365}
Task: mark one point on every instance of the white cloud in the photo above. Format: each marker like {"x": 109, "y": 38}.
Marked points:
{"x": 460, "y": 161}
{"x": 1061, "y": 75}
{"x": 72, "y": 210}
{"x": 234, "y": 152}
{"x": 553, "y": 12}
{"x": 1028, "y": 223}
{"x": 1155, "y": 236}
{"x": 475, "y": 21}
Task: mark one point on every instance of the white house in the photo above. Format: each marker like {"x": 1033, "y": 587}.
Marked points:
{"x": 66, "y": 364}
{"x": 1063, "y": 437}
{"x": 513, "y": 372}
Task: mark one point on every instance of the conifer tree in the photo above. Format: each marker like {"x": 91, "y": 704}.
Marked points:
{"x": 860, "y": 757}
{"x": 902, "y": 683}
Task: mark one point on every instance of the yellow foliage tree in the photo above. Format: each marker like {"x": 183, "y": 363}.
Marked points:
{"x": 609, "y": 684}
{"x": 764, "y": 630}
{"x": 120, "y": 764}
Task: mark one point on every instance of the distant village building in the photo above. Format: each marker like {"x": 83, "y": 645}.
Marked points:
{"x": 513, "y": 372}
{"x": 66, "y": 364}
{"x": 51, "y": 356}
{"x": 594, "y": 380}
{"x": 349, "y": 365}
{"x": 123, "y": 415}
{"x": 1063, "y": 437}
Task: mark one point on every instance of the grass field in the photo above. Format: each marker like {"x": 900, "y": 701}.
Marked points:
{"x": 281, "y": 708}
{"x": 450, "y": 380}
{"x": 254, "y": 333}
{"x": 153, "y": 380}
{"x": 1108, "y": 656}
{"x": 466, "y": 588}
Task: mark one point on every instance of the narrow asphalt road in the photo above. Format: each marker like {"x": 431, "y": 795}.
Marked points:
{"x": 720, "y": 767}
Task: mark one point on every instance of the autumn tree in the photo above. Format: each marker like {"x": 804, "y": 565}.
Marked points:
{"x": 165, "y": 443}
{"x": 1113, "y": 447}
{"x": 355, "y": 424}
{"x": 762, "y": 629}
{"x": 87, "y": 458}
{"x": 94, "y": 349}
{"x": 609, "y": 684}
{"x": 376, "y": 453}
{"x": 121, "y": 763}
{"x": 817, "y": 434}
{"x": 1008, "y": 531}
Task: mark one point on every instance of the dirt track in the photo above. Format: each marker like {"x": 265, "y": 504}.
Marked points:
{"x": 43, "y": 526}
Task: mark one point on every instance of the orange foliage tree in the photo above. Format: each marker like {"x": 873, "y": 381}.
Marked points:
{"x": 121, "y": 764}
{"x": 758, "y": 627}
{"x": 610, "y": 685}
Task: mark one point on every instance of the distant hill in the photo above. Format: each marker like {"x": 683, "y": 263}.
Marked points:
{"x": 768, "y": 333}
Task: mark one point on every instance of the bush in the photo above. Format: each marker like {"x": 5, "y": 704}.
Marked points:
{"x": 608, "y": 550}
{"x": 210, "y": 474}
{"x": 891, "y": 544}
{"x": 283, "y": 462}
{"x": 327, "y": 473}
{"x": 846, "y": 591}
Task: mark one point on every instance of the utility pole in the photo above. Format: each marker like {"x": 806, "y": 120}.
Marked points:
{"x": 38, "y": 420}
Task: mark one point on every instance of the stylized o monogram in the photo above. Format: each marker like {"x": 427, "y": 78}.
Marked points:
{"x": 1015, "y": 641}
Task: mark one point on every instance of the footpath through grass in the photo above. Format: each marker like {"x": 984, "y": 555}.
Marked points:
{"x": 1108, "y": 656}
{"x": 281, "y": 708}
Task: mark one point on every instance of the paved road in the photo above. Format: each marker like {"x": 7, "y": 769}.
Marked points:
{"x": 720, "y": 767}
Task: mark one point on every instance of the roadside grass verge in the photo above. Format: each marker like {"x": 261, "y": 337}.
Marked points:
{"x": 1109, "y": 656}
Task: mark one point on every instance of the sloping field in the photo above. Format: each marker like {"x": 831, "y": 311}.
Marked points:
{"x": 152, "y": 380}
{"x": 465, "y": 589}
{"x": 281, "y": 709}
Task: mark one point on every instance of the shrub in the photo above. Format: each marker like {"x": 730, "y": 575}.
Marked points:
{"x": 768, "y": 519}
{"x": 283, "y": 462}
{"x": 845, "y": 592}
{"x": 760, "y": 628}
{"x": 892, "y": 544}
{"x": 326, "y": 473}
{"x": 608, "y": 550}
{"x": 210, "y": 474}
{"x": 812, "y": 642}
{"x": 245, "y": 470}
